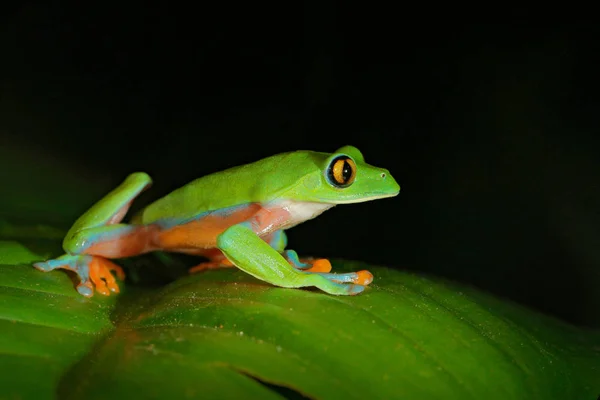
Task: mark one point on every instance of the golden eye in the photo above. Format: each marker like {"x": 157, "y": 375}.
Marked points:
{"x": 342, "y": 171}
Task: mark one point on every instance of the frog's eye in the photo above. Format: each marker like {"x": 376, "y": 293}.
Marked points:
{"x": 341, "y": 171}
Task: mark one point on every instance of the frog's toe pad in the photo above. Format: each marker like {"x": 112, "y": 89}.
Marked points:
{"x": 363, "y": 277}
{"x": 320, "y": 265}
{"x": 86, "y": 289}
{"x": 43, "y": 266}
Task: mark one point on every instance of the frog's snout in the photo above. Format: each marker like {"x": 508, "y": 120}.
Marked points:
{"x": 389, "y": 182}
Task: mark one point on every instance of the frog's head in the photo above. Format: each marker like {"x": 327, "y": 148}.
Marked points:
{"x": 343, "y": 177}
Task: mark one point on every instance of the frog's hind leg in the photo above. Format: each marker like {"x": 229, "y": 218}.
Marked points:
{"x": 97, "y": 236}
{"x": 251, "y": 254}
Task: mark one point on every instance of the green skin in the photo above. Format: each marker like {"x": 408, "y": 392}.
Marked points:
{"x": 300, "y": 182}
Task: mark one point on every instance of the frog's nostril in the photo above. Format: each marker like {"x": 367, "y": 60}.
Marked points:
{"x": 383, "y": 175}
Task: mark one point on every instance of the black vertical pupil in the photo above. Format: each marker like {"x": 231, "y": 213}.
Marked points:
{"x": 347, "y": 171}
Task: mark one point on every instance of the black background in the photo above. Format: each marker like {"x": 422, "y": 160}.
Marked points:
{"x": 490, "y": 129}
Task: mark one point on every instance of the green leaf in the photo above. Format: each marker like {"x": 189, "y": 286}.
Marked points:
{"x": 46, "y": 327}
{"x": 224, "y": 334}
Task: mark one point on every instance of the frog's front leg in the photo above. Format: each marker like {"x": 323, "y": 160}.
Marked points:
{"x": 98, "y": 236}
{"x": 278, "y": 241}
{"x": 246, "y": 250}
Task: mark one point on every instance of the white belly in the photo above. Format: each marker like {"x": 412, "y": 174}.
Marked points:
{"x": 301, "y": 211}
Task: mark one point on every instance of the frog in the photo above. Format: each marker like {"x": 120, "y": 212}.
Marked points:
{"x": 233, "y": 218}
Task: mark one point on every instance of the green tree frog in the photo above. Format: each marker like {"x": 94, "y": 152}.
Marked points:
{"x": 236, "y": 217}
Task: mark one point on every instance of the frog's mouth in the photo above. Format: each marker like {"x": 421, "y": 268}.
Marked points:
{"x": 365, "y": 199}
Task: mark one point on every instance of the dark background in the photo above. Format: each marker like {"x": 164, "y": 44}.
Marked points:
{"x": 490, "y": 129}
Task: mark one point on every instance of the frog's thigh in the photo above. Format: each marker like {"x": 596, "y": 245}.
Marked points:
{"x": 97, "y": 236}
{"x": 111, "y": 208}
{"x": 247, "y": 251}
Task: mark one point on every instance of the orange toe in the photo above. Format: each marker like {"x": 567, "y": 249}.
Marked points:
{"x": 116, "y": 269}
{"x": 363, "y": 277}
{"x": 320, "y": 265}
{"x": 110, "y": 281}
{"x": 101, "y": 288}
{"x": 101, "y": 277}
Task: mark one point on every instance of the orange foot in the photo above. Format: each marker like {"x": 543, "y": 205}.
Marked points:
{"x": 101, "y": 276}
{"x": 91, "y": 271}
{"x": 224, "y": 263}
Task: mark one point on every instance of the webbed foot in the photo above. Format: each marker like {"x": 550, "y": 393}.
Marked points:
{"x": 322, "y": 267}
{"x": 93, "y": 272}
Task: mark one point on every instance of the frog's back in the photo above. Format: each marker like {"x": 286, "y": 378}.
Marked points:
{"x": 259, "y": 181}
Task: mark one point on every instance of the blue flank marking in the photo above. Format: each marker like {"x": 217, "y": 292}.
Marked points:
{"x": 107, "y": 235}
{"x": 111, "y": 232}
{"x": 168, "y": 223}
